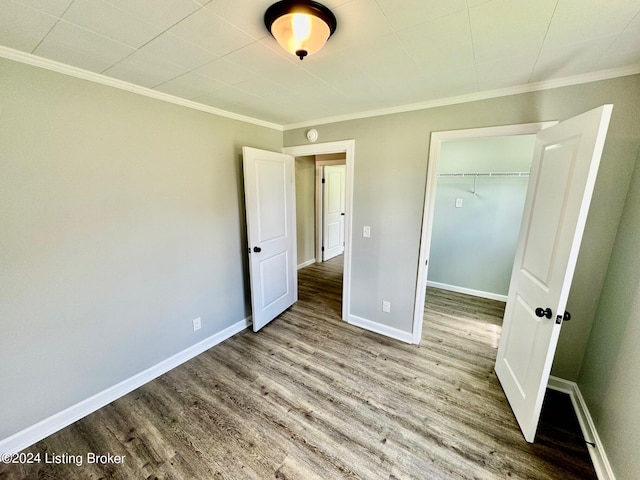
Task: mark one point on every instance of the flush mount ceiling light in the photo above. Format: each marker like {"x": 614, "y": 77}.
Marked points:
{"x": 300, "y": 27}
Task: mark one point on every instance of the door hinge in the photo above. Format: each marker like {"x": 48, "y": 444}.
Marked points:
{"x": 323, "y": 249}
{"x": 323, "y": 180}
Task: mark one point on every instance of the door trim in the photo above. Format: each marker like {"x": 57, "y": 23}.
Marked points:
{"x": 347, "y": 147}
{"x": 430, "y": 199}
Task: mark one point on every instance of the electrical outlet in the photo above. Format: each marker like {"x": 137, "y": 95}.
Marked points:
{"x": 386, "y": 306}
{"x": 458, "y": 203}
{"x": 366, "y": 231}
{"x": 197, "y": 324}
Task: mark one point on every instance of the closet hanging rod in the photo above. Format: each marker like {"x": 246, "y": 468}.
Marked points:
{"x": 485, "y": 174}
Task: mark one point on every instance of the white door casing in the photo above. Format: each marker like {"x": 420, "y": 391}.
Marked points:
{"x": 348, "y": 147}
{"x": 563, "y": 174}
{"x": 437, "y": 138}
{"x": 271, "y": 232}
{"x": 333, "y": 211}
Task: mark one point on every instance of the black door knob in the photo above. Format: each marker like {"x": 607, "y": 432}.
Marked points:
{"x": 257, "y": 249}
{"x": 543, "y": 312}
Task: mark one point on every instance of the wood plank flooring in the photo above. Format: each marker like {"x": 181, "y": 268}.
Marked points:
{"x": 310, "y": 397}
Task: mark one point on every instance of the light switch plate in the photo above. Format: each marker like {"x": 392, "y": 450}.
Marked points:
{"x": 366, "y": 231}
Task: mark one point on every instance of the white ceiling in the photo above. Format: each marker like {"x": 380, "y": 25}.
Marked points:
{"x": 384, "y": 54}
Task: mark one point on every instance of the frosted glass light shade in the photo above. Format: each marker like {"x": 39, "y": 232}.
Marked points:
{"x": 298, "y": 32}
{"x": 300, "y": 27}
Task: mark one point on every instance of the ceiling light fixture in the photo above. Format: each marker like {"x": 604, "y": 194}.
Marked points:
{"x": 300, "y": 27}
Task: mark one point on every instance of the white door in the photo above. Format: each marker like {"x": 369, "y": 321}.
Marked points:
{"x": 271, "y": 233}
{"x": 333, "y": 200}
{"x": 563, "y": 173}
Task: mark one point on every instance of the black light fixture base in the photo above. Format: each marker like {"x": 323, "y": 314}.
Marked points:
{"x": 301, "y": 53}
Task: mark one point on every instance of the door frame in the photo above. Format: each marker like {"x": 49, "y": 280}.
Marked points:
{"x": 347, "y": 147}
{"x": 437, "y": 138}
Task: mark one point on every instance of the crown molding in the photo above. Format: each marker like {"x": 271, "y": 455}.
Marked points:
{"x": 485, "y": 95}
{"x": 36, "y": 61}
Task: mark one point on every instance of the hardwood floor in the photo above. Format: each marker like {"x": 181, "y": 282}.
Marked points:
{"x": 310, "y": 397}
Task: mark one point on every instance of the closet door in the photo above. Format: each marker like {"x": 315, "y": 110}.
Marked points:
{"x": 563, "y": 174}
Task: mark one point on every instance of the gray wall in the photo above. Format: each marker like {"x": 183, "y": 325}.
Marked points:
{"x": 121, "y": 220}
{"x": 485, "y": 154}
{"x": 390, "y": 175}
{"x": 610, "y": 376}
{"x": 473, "y": 247}
{"x": 306, "y": 208}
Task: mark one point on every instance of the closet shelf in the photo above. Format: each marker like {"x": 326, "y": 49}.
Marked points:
{"x": 485, "y": 174}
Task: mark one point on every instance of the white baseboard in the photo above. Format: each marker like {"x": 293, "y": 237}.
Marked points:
{"x": 468, "y": 291}
{"x": 401, "y": 335}
{"x": 60, "y": 420}
{"x": 598, "y": 455}
{"x": 307, "y": 263}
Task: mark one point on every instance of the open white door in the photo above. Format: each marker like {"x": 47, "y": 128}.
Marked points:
{"x": 333, "y": 200}
{"x": 271, "y": 232}
{"x": 563, "y": 174}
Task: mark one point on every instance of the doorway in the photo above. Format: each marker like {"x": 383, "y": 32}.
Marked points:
{"x": 346, "y": 151}
{"x": 480, "y": 194}
{"x": 438, "y": 139}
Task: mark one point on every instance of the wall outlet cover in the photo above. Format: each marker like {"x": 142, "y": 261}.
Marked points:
{"x": 197, "y": 324}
